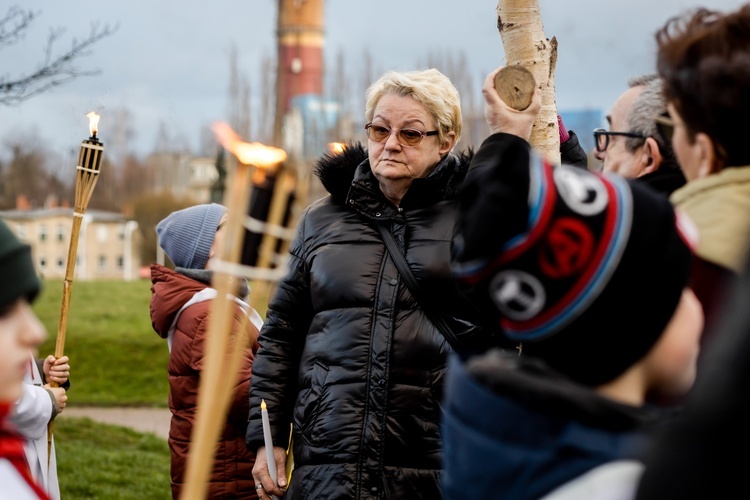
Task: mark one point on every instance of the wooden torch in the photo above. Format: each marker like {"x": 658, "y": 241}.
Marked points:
{"x": 527, "y": 48}
{"x": 87, "y": 173}
{"x": 223, "y": 346}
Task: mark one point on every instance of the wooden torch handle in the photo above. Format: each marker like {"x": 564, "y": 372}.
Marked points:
{"x": 515, "y": 85}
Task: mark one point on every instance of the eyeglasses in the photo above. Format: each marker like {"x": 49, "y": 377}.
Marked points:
{"x": 601, "y": 138}
{"x": 665, "y": 126}
{"x": 405, "y": 136}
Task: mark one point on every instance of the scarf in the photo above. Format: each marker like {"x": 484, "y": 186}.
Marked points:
{"x": 11, "y": 449}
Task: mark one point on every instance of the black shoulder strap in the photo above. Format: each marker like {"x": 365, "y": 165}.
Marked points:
{"x": 411, "y": 282}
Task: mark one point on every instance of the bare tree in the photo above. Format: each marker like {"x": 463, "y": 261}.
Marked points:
{"x": 239, "y": 97}
{"x": 55, "y": 69}
{"x": 267, "y": 102}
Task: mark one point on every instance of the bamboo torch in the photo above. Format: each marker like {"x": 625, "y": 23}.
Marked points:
{"x": 87, "y": 173}
{"x": 222, "y": 356}
{"x": 522, "y": 33}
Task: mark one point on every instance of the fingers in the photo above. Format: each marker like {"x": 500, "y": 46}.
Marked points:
{"x": 264, "y": 484}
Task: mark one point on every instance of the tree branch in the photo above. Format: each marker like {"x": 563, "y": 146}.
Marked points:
{"x": 54, "y": 70}
{"x": 14, "y": 24}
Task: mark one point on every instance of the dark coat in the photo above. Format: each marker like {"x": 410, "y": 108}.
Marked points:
{"x": 231, "y": 476}
{"x": 515, "y": 429}
{"x": 346, "y": 354}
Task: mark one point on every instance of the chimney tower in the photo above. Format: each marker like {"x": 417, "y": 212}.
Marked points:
{"x": 300, "y": 39}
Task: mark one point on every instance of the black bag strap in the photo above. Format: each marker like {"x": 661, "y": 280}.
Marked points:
{"x": 411, "y": 283}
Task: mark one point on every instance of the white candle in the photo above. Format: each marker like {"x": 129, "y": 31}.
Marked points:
{"x": 268, "y": 442}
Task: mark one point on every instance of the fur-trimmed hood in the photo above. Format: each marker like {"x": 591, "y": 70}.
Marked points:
{"x": 338, "y": 171}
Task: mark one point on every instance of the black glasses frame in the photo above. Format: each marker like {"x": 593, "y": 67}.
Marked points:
{"x": 601, "y": 134}
{"x": 402, "y": 135}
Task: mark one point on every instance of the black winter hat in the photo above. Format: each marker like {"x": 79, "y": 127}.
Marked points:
{"x": 583, "y": 270}
{"x": 16, "y": 268}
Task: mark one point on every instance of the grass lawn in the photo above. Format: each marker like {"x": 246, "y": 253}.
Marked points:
{"x": 104, "y": 461}
{"x": 116, "y": 357}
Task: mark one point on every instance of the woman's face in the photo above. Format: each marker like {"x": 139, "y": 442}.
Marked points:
{"x": 693, "y": 157}
{"x": 392, "y": 163}
{"x": 20, "y": 335}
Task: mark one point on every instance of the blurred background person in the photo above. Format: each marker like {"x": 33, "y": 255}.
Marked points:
{"x": 21, "y": 332}
{"x": 704, "y": 59}
{"x": 180, "y": 312}
{"x": 634, "y": 146}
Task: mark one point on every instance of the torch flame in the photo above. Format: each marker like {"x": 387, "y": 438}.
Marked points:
{"x": 257, "y": 154}
{"x": 93, "y": 123}
{"x": 336, "y": 147}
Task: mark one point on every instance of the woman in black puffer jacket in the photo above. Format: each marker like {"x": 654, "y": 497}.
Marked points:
{"x": 347, "y": 355}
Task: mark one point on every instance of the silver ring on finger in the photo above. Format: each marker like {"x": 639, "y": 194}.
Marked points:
{"x": 258, "y": 486}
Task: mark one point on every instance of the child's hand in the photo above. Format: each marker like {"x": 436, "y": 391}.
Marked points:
{"x": 56, "y": 370}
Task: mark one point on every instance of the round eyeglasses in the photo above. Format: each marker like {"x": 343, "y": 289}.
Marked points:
{"x": 404, "y": 136}
{"x": 601, "y": 138}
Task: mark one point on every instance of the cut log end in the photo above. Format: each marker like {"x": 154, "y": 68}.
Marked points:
{"x": 515, "y": 85}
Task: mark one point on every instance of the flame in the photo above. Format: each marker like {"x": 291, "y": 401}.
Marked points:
{"x": 93, "y": 123}
{"x": 336, "y": 147}
{"x": 257, "y": 154}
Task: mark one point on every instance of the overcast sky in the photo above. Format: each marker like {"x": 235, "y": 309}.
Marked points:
{"x": 168, "y": 61}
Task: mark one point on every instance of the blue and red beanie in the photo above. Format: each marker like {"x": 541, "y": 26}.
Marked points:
{"x": 583, "y": 270}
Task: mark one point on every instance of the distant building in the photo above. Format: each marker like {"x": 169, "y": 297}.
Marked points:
{"x": 183, "y": 175}
{"x": 108, "y": 244}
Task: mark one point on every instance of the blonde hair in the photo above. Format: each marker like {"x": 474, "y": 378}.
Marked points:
{"x": 429, "y": 87}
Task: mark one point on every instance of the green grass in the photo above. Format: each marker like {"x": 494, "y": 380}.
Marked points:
{"x": 116, "y": 357}
{"x": 105, "y": 461}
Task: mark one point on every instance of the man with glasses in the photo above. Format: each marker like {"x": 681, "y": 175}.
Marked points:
{"x": 635, "y": 146}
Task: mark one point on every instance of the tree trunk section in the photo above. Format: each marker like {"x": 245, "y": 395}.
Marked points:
{"x": 522, "y": 33}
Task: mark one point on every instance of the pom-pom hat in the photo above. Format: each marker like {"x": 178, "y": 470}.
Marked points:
{"x": 583, "y": 270}
{"x": 186, "y": 236}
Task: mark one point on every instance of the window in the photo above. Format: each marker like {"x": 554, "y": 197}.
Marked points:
{"x": 60, "y": 232}
{"x": 22, "y": 232}
{"x": 121, "y": 232}
{"x": 102, "y": 262}
{"x": 101, "y": 233}
{"x": 42, "y": 232}
{"x": 42, "y": 263}
{"x": 120, "y": 262}
{"x": 60, "y": 263}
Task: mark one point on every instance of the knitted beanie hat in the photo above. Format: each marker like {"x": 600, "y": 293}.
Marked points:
{"x": 16, "y": 268}
{"x": 583, "y": 270}
{"x": 186, "y": 235}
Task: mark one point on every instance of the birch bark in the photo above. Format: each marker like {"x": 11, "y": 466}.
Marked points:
{"x": 522, "y": 33}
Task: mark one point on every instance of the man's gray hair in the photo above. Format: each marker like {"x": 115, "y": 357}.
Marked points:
{"x": 646, "y": 107}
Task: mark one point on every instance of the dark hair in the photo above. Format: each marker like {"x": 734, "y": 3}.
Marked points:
{"x": 704, "y": 59}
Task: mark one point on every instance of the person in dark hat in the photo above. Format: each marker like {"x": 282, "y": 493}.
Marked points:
{"x": 180, "y": 309}
{"x": 21, "y": 332}
{"x": 587, "y": 274}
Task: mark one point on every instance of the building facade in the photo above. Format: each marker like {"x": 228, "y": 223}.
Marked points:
{"x": 108, "y": 246}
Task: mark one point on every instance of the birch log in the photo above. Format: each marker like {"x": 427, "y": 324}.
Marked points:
{"x": 522, "y": 33}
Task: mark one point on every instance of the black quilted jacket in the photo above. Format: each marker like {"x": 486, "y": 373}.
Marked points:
{"x": 346, "y": 354}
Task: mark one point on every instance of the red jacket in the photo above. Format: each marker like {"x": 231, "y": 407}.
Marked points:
{"x": 232, "y": 472}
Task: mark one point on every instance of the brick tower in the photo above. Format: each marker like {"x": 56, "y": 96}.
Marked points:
{"x": 300, "y": 40}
